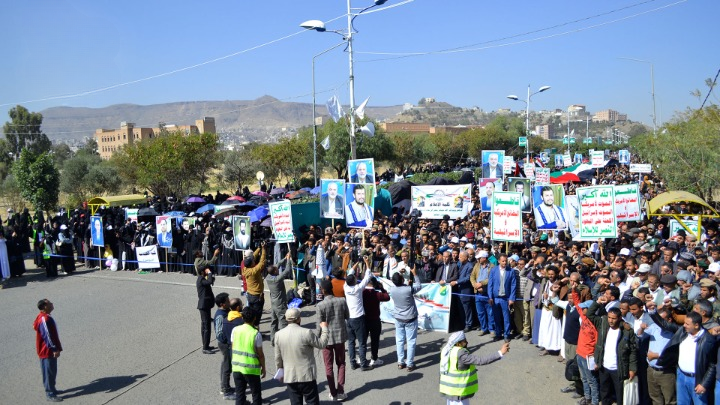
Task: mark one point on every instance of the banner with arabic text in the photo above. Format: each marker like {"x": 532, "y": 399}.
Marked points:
{"x": 281, "y": 217}
{"x": 597, "y": 212}
{"x": 436, "y": 201}
{"x": 627, "y": 202}
{"x": 506, "y": 220}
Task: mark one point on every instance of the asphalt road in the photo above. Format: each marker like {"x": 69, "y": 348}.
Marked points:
{"x": 135, "y": 339}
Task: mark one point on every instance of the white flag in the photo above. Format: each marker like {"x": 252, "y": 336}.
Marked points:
{"x": 360, "y": 111}
{"x": 572, "y": 133}
{"x": 326, "y": 143}
{"x": 334, "y": 108}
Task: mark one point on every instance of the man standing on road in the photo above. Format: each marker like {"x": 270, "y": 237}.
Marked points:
{"x": 356, "y": 322}
{"x": 334, "y": 311}
{"x": 248, "y": 359}
{"x": 278, "y": 295}
{"x": 295, "y": 356}
{"x": 254, "y": 266}
{"x": 222, "y": 301}
{"x": 47, "y": 342}
{"x": 206, "y": 300}
{"x": 502, "y": 287}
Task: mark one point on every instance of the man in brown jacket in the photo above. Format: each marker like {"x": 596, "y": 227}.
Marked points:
{"x": 254, "y": 266}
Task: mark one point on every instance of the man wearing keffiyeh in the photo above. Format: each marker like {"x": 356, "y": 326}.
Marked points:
{"x": 458, "y": 379}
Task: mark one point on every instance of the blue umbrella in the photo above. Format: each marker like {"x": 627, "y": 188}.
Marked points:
{"x": 316, "y": 190}
{"x": 206, "y": 207}
{"x": 308, "y": 189}
{"x": 258, "y": 213}
{"x": 176, "y": 214}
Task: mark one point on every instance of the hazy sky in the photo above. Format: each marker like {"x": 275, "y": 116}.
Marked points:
{"x": 66, "y": 48}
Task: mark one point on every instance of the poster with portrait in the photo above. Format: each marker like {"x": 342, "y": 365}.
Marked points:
{"x": 486, "y": 187}
{"x": 522, "y": 185}
{"x": 627, "y": 202}
{"x": 492, "y": 164}
{"x": 185, "y": 223}
{"x": 241, "y": 232}
{"x": 163, "y": 227}
{"x": 624, "y": 156}
{"x": 597, "y": 212}
{"x": 361, "y": 171}
{"x": 433, "y": 306}
{"x": 332, "y": 198}
{"x": 360, "y": 205}
{"x": 558, "y": 160}
{"x": 96, "y": 232}
{"x": 577, "y": 158}
{"x": 434, "y": 202}
{"x": 506, "y": 218}
{"x": 549, "y": 207}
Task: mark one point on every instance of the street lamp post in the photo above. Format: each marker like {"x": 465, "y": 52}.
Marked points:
{"x": 652, "y": 88}
{"x": 527, "y": 116}
{"x": 348, "y": 36}
{"x": 314, "y": 124}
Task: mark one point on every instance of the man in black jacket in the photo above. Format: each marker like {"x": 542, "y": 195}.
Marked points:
{"x": 206, "y": 301}
{"x": 615, "y": 351}
{"x": 695, "y": 379}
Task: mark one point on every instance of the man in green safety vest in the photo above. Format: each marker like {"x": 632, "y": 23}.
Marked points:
{"x": 248, "y": 359}
{"x": 458, "y": 378}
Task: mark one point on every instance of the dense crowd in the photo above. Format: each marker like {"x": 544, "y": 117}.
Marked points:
{"x": 640, "y": 309}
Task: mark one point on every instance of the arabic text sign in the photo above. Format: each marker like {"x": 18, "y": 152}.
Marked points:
{"x": 436, "y": 201}
{"x": 147, "y": 257}
{"x": 530, "y": 170}
{"x": 567, "y": 160}
{"x": 542, "y": 176}
{"x": 675, "y": 226}
{"x": 640, "y": 168}
{"x": 281, "y": 217}
{"x": 598, "y": 159}
{"x": 507, "y": 216}
{"x": 627, "y": 202}
{"x": 508, "y": 165}
{"x": 597, "y": 212}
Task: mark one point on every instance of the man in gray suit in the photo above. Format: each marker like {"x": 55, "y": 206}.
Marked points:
{"x": 331, "y": 203}
{"x": 295, "y": 355}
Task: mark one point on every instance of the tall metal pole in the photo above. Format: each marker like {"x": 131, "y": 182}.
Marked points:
{"x": 568, "y": 130}
{"x": 587, "y": 126}
{"x": 314, "y": 124}
{"x": 527, "y": 127}
{"x": 353, "y": 152}
{"x": 652, "y": 80}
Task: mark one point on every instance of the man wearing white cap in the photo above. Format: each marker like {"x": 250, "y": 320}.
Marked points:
{"x": 458, "y": 377}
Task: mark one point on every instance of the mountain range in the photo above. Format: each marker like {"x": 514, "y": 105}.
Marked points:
{"x": 251, "y": 119}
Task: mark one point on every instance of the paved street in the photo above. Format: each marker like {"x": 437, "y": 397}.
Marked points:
{"x": 134, "y": 339}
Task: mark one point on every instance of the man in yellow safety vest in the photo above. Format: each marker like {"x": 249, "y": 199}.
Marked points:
{"x": 248, "y": 359}
{"x": 458, "y": 379}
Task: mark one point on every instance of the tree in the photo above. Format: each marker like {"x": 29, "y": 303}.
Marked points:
{"x": 6, "y": 158}
{"x": 240, "y": 167}
{"x": 61, "y": 152}
{"x": 378, "y": 147}
{"x": 685, "y": 153}
{"x": 38, "y": 179}
{"x": 10, "y": 191}
{"x": 409, "y": 150}
{"x": 23, "y": 131}
{"x": 172, "y": 164}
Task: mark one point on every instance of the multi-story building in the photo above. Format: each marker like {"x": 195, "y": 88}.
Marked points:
{"x": 577, "y": 110}
{"x": 411, "y": 127}
{"x": 111, "y": 140}
{"x": 609, "y": 116}
{"x": 545, "y": 131}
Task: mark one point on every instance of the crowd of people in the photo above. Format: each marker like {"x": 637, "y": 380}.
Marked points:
{"x": 639, "y": 309}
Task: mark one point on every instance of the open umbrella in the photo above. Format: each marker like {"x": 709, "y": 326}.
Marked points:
{"x": 266, "y": 223}
{"x": 245, "y": 207}
{"x": 236, "y": 198}
{"x": 261, "y": 193}
{"x": 176, "y": 214}
{"x": 231, "y": 202}
{"x": 147, "y": 212}
{"x": 277, "y": 190}
{"x": 195, "y": 200}
{"x": 206, "y": 207}
{"x": 297, "y": 194}
{"x": 226, "y": 211}
{"x": 315, "y": 191}
{"x": 258, "y": 213}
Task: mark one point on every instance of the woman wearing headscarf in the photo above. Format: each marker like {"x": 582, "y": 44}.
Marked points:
{"x": 458, "y": 377}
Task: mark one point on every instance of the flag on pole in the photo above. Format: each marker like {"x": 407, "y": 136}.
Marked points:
{"x": 326, "y": 143}
{"x": 572, "y": 133}
{"x": 334, "y": 108}
{"x": 360, "y": 111}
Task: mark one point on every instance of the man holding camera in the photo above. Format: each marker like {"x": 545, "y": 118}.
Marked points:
{"x": 254, "y": 266}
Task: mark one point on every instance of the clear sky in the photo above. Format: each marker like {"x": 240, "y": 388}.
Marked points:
{"x": 62, "y": 47}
